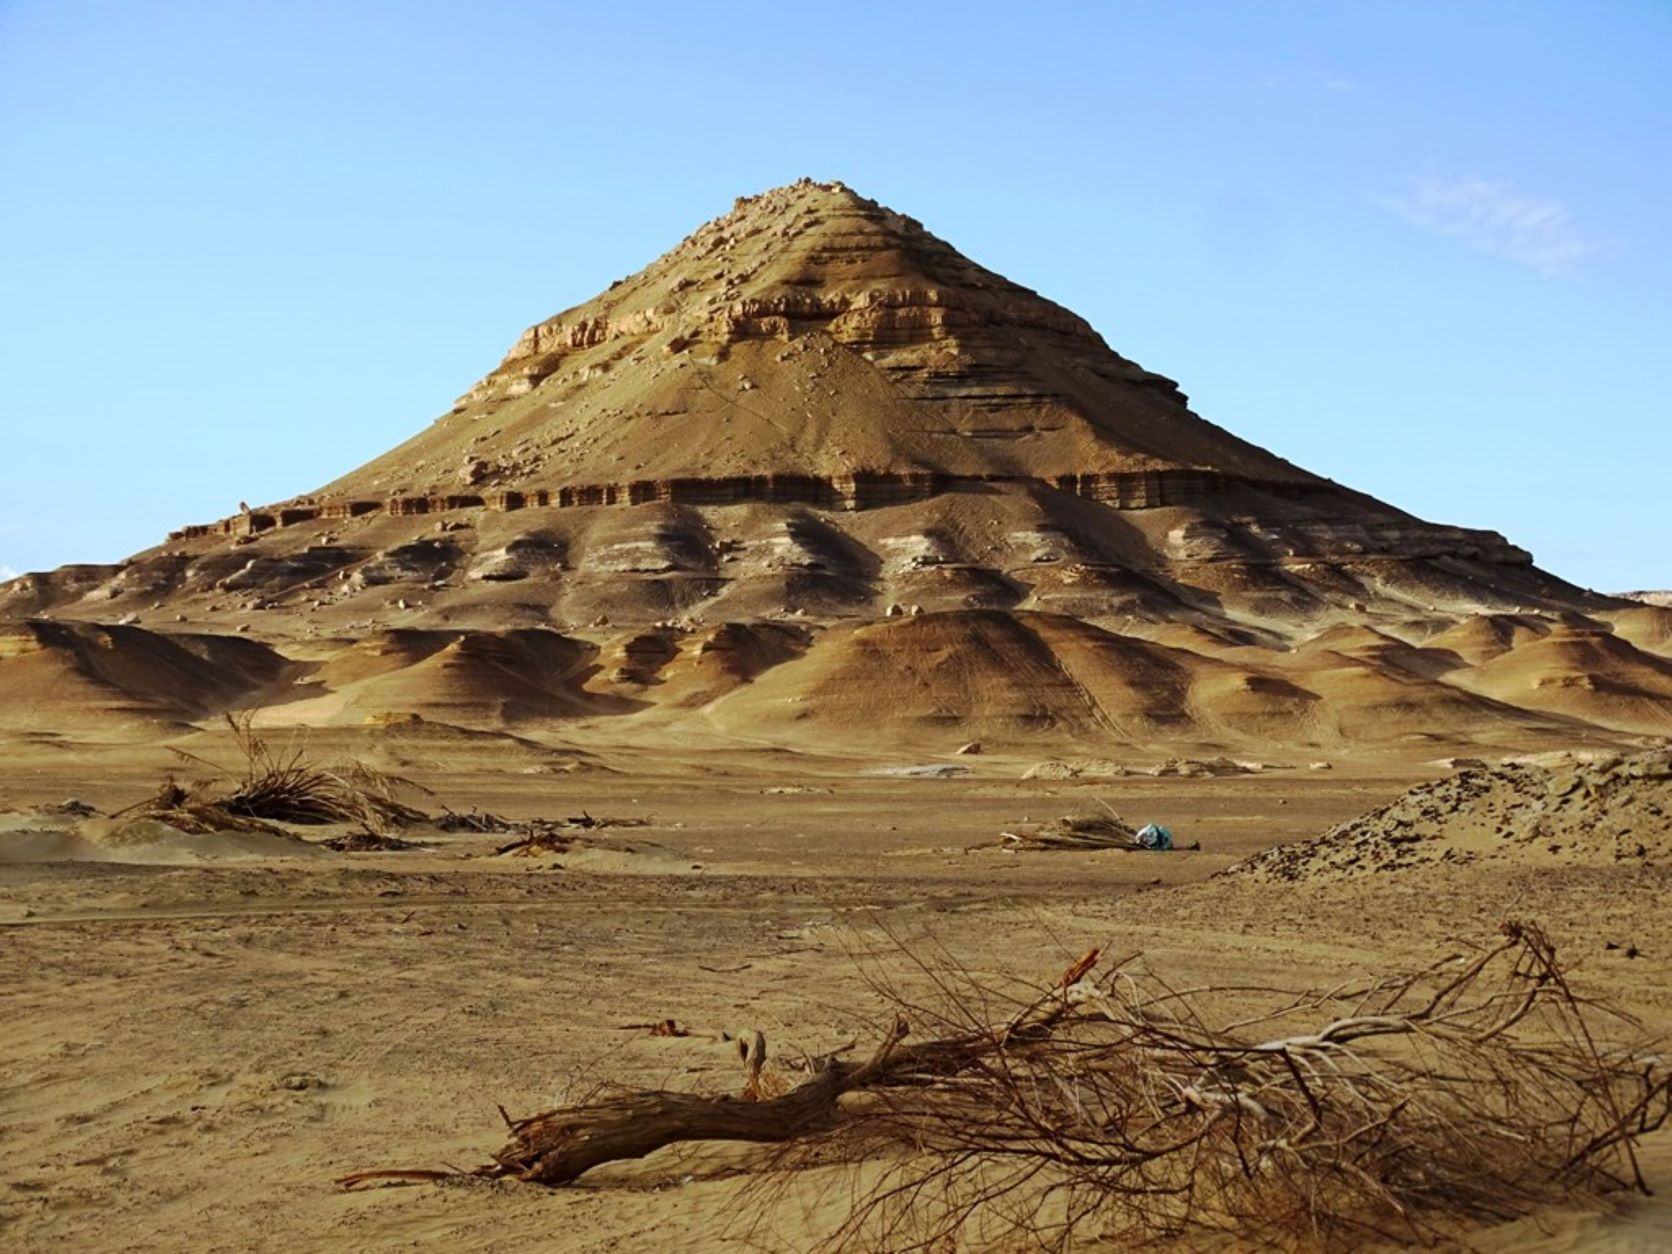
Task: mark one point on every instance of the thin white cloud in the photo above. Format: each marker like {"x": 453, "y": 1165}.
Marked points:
{"x": 6, "y": 572}
{"x": 1329, "y": 80}
{"x": 1494, "y": 218}
{"x": 1288, "y": 82}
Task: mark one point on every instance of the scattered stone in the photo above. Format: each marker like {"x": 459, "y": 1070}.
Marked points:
{"x": 73, "y": 807}
{"x": 1198, "y": 768}
{"x": 1089, "y": 768}
{"x": 1602, "y": 811}
{"x": 1174, "y": 768}
{"x": 933, "y": 770}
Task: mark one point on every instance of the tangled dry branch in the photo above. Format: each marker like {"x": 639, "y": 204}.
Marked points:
{"x": 1114, "y": 1106}
{"x": 280, "y": 785}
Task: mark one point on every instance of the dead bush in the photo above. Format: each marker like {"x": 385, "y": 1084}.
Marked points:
{"x": 1109, "y": 1105}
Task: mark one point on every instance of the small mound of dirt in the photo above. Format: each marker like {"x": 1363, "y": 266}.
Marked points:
{"x": 141, "y": 840}
{"x": 1569, "y": 809}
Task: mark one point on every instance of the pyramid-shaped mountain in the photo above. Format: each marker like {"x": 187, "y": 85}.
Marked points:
{"x": 815, "y": 470}
{"x": 812, "y": 334}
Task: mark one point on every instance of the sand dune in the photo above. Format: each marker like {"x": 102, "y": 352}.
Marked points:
{"x": 1370, "y": 701}
{"x": 139, "y": 842}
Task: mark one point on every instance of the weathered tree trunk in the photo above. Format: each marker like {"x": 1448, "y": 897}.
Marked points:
{"x": 559, "y": 1146}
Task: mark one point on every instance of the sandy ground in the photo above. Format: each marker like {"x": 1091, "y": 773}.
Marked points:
{"x": 193, "y": 1052}
{"x": 201, "y": 1033}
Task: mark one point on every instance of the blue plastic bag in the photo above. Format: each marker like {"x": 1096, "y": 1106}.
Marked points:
{"x": 1154, "y": 836}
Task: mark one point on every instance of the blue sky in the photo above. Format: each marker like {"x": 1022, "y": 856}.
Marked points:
{"x": 1418, "y": 247}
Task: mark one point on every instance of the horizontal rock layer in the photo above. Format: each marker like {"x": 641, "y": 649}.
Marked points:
{"x": 1137, "y": 491}
{"x": 1141, "y": 490}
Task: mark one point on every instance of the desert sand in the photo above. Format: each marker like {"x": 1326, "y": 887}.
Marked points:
{"x": 197, "y": 1048}
{"x": 824, "y": 556}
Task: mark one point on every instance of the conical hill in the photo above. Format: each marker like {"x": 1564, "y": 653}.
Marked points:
{"x": 812, "y": 418}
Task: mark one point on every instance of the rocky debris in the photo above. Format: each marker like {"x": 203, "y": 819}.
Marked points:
{"x": 932, "y": 770}
{"x": 71, "y": 807}
{"x": 534, "y": 555}
{"x": 1093, "y": 768}
{"x": 1177, "y": 768}
{"x": 1202, "y": 768}
{"x": 278, "y": 570}
{"x": 1593, "y": 809}
{"x": 420, "y": 561}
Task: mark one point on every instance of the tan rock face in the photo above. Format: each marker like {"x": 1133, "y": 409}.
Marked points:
{"x": 1661, "y": 600}
{"x": 814, "y": 412}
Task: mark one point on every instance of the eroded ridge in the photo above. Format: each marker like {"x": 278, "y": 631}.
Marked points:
{"x": 1148, "y": 489}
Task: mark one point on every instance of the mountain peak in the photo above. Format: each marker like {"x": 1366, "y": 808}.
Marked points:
{"x": 810, "y": 332}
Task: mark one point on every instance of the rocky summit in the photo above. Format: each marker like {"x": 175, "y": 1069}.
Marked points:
{"x": 814, "y": 474}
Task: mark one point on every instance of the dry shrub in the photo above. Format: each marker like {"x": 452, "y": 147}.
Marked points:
{"x": 280, "y": 785}
{"x": 1115, "y": 1108}
{"x": 1118, "y": 1108}
{"x": 546, "y": 836}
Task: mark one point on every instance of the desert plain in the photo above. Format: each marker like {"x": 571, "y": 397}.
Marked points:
{"x": 776, "y": 585}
